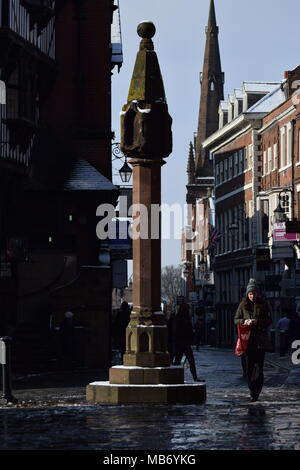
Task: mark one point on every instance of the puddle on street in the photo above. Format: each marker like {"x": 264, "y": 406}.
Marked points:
{"x": 218, "y": 424}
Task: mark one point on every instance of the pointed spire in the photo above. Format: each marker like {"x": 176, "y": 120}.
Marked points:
{"x": 191, "y": 165}
{"x": 212, "y": 92}
{"x": 212, "y": 21}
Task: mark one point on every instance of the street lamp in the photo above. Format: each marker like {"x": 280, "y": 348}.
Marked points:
{"x": 126, "y": 171}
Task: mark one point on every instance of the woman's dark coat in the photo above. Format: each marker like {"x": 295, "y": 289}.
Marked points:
{"x": 260, "y": 311}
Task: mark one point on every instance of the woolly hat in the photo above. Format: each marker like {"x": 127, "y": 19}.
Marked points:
{"x": 252, "y": 286}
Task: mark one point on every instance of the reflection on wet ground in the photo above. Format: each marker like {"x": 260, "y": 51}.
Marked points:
{"x": 226, "y": 421}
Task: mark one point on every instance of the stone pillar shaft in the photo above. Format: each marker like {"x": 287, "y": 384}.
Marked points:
{"x": 146, "y": 247}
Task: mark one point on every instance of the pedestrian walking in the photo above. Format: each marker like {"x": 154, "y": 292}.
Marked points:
{"x": 255, "y": 311}
{"x": 294, "y": 327}
{"x": 283, "y": 327}
{"x": 119, "y": 327}
{"x": 183, "y": 339}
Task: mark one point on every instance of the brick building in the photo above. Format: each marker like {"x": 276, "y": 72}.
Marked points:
{"x": 255, "y": 162}
{"x": 243, "y": 187}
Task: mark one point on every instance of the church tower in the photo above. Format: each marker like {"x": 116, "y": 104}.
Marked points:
{"x": 212, "y": 92}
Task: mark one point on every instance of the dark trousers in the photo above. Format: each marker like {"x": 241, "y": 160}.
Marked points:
{"x": 284, "y": 343}
{"x": 244, "y": 365}
{"x": 187, "y": 350}
{"x": 254, "y": 361}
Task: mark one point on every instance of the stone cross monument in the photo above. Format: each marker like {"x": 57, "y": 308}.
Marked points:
{"x": 146, "y": 138}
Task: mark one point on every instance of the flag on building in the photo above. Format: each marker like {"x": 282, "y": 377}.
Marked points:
{"x": 215, "y": 237}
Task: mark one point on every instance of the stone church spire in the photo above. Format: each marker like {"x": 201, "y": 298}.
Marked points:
{"x": 212, "y": 92}
{"x": 191, "y": 165}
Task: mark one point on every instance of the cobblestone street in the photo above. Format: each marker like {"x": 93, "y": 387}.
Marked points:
{"x": 52, "y": 413}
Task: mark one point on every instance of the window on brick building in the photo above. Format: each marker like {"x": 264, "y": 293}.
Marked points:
{"x": 285, "y": 201}
{"x": 226, "y": 169}
{"x": 282, "y": 147}
{"x": 230, "y": 172}
{"x": 217, "y": 173}
{"x": 289, "y": 143}
{"x": 221, "y": 172}
{"x": 236, "y": 163}
{"x": 250, "y": 156}
{"x": 226, "y": 225}
{"x": 275, "y": 156}
{"x": 233, "y": 235}
{"x": 270, "y": 159}
{"x": 265, "y": 163}
{"x": 241, "y": 161}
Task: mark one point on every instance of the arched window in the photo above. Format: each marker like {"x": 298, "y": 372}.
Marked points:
{"x": 144, "y": 342}
{"x": 212, "y": 86}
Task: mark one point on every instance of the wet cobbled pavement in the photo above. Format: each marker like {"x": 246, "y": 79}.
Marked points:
{"x": 52, "y": 413}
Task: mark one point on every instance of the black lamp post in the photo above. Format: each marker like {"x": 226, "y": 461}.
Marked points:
{"x": 126, "y": 171}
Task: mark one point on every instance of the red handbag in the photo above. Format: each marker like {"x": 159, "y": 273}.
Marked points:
{"x": 244, "y": 332}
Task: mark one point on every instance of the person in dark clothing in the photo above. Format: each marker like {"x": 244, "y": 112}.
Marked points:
{"x": 283, "y": 327}
{"x": 183, "y": 339}
{"x": 254, "y": 311}
{"x": 294, "y": 328}
{"x": 119, "y": 327}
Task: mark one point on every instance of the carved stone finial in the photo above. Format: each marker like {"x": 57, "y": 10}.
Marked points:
{"x": 146, "y": 30}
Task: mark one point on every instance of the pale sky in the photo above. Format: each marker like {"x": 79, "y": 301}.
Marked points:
{"x": 259, "y": 40}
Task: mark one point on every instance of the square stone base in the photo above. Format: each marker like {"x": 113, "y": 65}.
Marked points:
{"x": 146, "y": 375}
{"x": 116, "y": 394}
{"x": 147, "y": 359}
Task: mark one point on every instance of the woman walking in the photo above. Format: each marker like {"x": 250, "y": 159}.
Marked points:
{"x": 183, "y": 339}
{"x": 254, "y": 311}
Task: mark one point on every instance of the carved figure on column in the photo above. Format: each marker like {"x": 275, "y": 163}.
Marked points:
{"x": 145, "y": 120}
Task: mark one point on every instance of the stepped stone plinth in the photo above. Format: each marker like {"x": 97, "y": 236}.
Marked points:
{"x": 142, "y": 384}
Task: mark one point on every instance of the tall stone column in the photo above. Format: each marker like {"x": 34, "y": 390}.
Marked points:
{"x": 146, "y": 138}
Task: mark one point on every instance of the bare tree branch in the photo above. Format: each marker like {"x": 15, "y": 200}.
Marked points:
{"x": 171, "y": 283}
